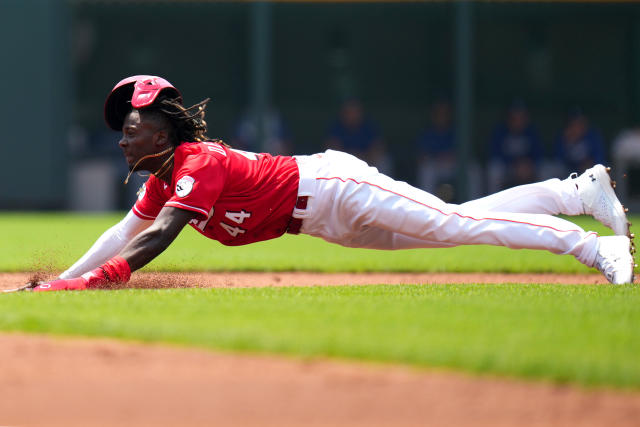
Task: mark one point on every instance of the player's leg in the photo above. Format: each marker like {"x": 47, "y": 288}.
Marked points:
{"x": 590, "y": 193}
{"x": 348, "y": 198}
{"x": 442, "y": 225}
{"x": 613, "y": 257}
{"x": 551, "y": 197}
{"x": 379, "y": 238}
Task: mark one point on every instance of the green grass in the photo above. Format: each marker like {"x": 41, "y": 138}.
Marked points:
{"x": 55, "y": 241}
{"x": 587, "y": 335}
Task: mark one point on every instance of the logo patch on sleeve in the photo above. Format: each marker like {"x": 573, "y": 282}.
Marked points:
{"x": 184, "y": 186}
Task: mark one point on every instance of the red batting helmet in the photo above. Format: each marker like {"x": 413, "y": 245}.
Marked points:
{"x": 136, "y": 92}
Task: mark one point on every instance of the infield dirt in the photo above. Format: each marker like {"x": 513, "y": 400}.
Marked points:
{"x": 256, "y": 279}
{"x": 56, "y": 381}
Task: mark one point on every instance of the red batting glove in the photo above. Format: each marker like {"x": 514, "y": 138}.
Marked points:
{"x": 78, "y": 284}
{"x": 116, "y": 270}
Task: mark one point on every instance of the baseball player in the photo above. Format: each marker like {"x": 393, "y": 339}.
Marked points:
{"x": 239, "y": 197}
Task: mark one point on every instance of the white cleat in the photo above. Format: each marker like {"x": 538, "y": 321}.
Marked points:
{"x": 614, "y": 259}
{"x": 599, "y": 200}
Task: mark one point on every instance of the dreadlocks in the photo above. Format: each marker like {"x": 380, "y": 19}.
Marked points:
{"x": 187, "y": 123}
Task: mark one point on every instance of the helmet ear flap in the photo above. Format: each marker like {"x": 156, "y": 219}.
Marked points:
{"x": 120, "y": 106}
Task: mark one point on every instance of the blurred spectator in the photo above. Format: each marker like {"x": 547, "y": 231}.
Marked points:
{"x": 626, "y": 161}
{"x": 354, "y": 133}
{"x": 627, "y": 146}
{"x": 578, "y": 146}
{"x": 515, "y": 150}
{"x": 437, "y": 157}
{"x": 277, "y": 138}
{"x": 436, "y": 153}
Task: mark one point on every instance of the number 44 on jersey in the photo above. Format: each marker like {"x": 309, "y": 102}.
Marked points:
{"x": 238, "y": 218}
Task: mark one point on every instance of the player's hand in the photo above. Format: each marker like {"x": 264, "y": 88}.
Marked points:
{"x": 92, "y": 279}
{"x": 24, "y": 288}
{"x": 116, "y": 270}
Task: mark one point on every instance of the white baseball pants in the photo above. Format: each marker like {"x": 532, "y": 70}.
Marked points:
{"x": 352, "y": 204}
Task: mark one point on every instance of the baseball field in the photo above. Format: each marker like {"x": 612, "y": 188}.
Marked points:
{"x": 296, "y": 331}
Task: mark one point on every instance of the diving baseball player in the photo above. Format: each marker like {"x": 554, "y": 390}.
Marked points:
{"x": 239, "y": 197}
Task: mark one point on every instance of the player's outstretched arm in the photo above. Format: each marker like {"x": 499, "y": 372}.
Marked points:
{"x": 153, "y": 241}
{"x": 141, "y": 250}
{"x": 108, "y": 245}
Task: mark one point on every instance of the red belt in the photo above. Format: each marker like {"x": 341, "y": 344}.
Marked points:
{"x": 295, "y": 224}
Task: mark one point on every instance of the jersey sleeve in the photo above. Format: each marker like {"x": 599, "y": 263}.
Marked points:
{"x": 150, "y": 199}
{"x": 198, "y": 184}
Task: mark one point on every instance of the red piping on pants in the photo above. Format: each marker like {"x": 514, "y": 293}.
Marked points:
{"x": 452, "y": 213}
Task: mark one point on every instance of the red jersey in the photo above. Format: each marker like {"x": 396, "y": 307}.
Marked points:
{"x": 239, "y": 197}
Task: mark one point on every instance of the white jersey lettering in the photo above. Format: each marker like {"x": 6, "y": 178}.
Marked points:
{"x": 215, "y": 147}
{"x": 233, "y": 231}
{"x": 203, "y": 223}
{"x": 238, "y": 217}
{"x": 248, "y": 154}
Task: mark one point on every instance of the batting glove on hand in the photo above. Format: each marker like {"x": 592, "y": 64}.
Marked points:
{"x": 94, "y": 279}
{"x": 24, "y": 288}
{"x": 116, "y": 270}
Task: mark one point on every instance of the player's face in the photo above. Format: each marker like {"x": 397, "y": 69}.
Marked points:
{"x": 138, "y": 138}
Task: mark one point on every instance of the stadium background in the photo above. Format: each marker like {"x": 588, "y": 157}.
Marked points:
{"x": 459, "y": 336}
{"x": 61, "y": 57}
